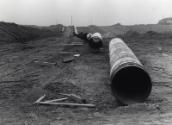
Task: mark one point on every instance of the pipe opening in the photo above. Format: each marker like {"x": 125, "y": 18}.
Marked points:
{"x": 131, "y": 84}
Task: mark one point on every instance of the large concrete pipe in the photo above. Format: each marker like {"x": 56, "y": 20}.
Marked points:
{"x": 130, "y": 83}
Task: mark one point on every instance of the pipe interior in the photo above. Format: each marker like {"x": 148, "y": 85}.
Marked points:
{"x": 131, "y": 84}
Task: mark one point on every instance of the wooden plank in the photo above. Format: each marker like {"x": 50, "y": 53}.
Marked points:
{"x": 67, "y": 104}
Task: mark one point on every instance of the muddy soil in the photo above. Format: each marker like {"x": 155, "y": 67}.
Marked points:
{"x": 24, "y": 77}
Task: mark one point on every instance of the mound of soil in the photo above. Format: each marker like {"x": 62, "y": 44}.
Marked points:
{"x": 11, "y": 32}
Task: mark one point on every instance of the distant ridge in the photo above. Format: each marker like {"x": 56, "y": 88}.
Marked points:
{"x": 166, "y": 21}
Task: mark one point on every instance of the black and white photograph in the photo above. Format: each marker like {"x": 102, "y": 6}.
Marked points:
{"x": 85, "y": 62}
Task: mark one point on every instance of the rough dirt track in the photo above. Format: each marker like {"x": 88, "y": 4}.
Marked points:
{"x": 24, "y": 78}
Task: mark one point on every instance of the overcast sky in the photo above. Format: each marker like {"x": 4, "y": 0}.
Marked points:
{"x": 84, "y": 12}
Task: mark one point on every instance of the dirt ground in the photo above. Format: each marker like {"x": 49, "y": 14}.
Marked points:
{"x": 24, "y": 78}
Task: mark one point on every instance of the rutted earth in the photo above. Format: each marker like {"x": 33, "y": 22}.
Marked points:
{"x": 24, "y": 78}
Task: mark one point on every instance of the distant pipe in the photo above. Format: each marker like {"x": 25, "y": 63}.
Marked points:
{"x": 130, "y": 83}
{"x": 75, "y": 31}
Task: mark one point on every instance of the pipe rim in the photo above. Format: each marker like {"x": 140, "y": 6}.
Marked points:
{"x": 129, "y": 65}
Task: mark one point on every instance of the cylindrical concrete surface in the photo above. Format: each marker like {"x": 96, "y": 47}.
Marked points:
{"x": 130, "y": 83}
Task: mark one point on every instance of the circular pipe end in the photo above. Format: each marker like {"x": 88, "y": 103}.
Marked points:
{"x": 131, "y": 84}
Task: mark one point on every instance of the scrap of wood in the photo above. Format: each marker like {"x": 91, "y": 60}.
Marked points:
{"x": 64, "y": 52}
{"x": 68, "y": 59}
{"x": 71, "y": 95}
{"x": 73, "y": 44}
{"x": 56, "y": 100}
{"x": 76, "y": 55}
{"x": 68, "y": 104}
{"x": 39, "y": 99}
{"x": 49, "y": 63}
{"x": 74, "y": 97}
